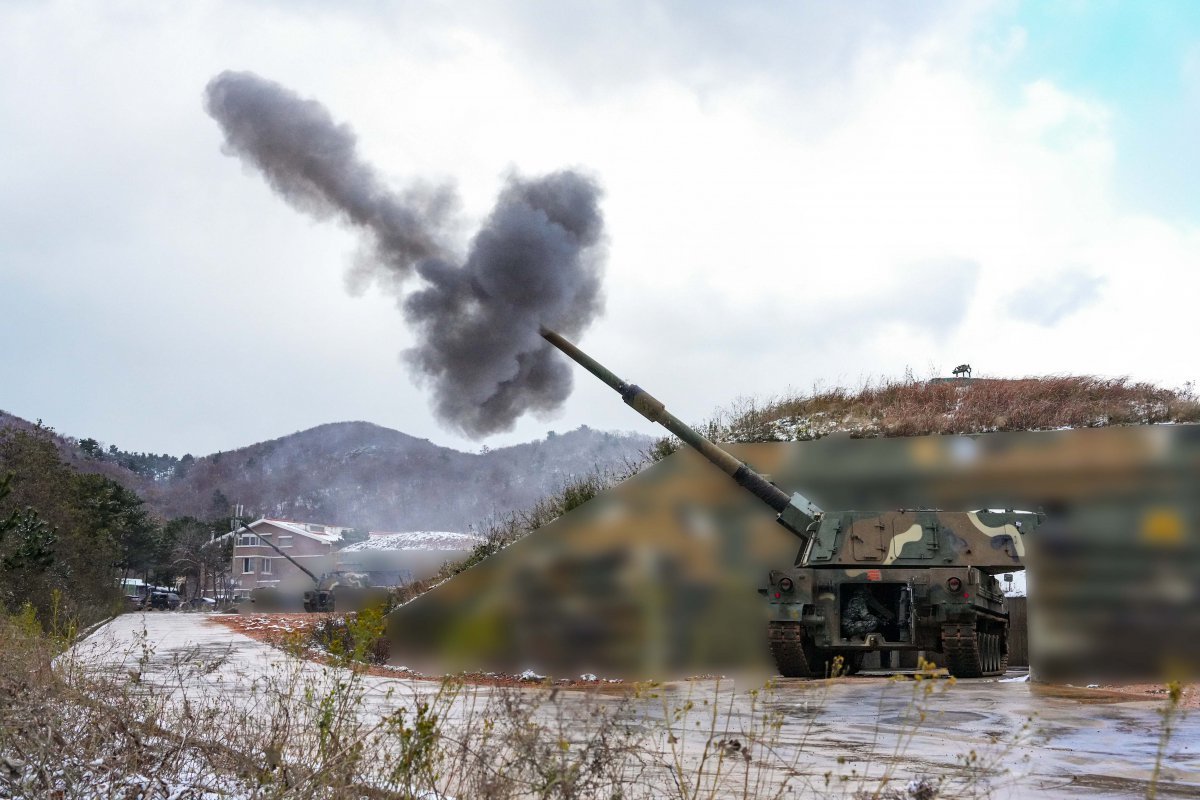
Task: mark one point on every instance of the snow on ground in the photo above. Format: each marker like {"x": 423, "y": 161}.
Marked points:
{"x": 824, "y": 726}
{"x": 157, "y": 644}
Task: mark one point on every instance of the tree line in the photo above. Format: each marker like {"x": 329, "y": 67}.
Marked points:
{"x": 150, "y": 465}
{"x": 69, "y": 539}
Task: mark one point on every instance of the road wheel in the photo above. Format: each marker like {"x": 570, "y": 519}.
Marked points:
{"x": 972, "y": 653}
{"x": 794, "y": 654}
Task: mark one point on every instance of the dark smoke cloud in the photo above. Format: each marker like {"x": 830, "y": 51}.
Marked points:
{"x": 537, "y": 260}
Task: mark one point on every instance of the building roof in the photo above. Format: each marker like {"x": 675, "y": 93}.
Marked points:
{"x": 416, "y": 540}
{"x": 326, "y": 534}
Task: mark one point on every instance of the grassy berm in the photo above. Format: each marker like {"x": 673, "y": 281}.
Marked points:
{"x": 983, "y": 405}
{"x": 907, "y": 407}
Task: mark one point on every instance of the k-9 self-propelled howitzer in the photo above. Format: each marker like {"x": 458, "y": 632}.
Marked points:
{"x": 334, "y": 591}
{"x": 868, "y": 581}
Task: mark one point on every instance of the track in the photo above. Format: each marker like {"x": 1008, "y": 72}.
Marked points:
{"x": 975, "y": 653}
{"x": 792, "y": 658}
{"x": 969, "y": 652}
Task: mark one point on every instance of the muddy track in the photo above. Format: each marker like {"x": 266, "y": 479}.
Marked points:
{"x": 792, "y": 658}
{"x": 974, "y": 654}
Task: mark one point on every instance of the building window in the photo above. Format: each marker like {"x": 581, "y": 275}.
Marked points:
{"x": 247, "y": 540}
{"x": 266, "y": 566}
{"x": 316, "y": 528}
{"x": 285, "y": 541}
{"x": 247, "y": 566}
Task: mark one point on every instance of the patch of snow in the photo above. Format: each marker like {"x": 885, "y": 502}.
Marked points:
{"x": 530, "y": 675}
{"x": 417, "y": 540}
{"x": 1018, "y": 679}
{"x": 399, "y": 669}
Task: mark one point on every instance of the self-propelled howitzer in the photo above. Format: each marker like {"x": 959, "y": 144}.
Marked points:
{"x": 868, "y": 581}
{"x": 335, "y": 591}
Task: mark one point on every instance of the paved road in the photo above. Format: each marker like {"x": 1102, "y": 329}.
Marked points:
{"x": 1079, "y": 744}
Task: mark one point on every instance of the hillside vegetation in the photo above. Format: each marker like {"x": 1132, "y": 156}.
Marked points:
{"x": 68, "y": 506}
{"x": 351, "y": 473}
{"x": 983, "y": 405}
{"x": 894, "y": 408}
{"x": 367, "y": 476}
{"x": 65, "y": 536}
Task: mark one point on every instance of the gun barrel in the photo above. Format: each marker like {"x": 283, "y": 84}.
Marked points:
{"x": 652, "y": 409}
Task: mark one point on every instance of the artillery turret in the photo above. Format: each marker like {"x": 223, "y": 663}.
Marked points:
{"x": 868, "y": 581}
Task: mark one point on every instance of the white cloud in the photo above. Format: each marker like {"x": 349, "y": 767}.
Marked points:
{"x": 766, "y": 206}
{"x": 1050, "y": 300}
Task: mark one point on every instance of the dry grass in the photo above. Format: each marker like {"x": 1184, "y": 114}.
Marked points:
{"x": 890, "y": 408}
{"x": 912, "y": 408}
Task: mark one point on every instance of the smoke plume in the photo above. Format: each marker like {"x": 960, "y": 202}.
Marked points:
{"x": 537, "y": 259}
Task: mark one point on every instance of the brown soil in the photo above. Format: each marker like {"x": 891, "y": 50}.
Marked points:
{"x": 1154, "y": 691}
{"x": 277, "y": 629}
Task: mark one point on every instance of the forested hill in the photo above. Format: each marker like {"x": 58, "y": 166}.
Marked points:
{"x": 367, "y": 476}
{"x": 354, "y": 473}
{"x": 75, "y": 456}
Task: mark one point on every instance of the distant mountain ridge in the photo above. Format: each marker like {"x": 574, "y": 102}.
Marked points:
{"x": 363, "y": 475}
{"x": 367, "y": 476}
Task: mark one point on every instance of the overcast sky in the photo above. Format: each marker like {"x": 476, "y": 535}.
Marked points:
{"x": 795, "y": 194}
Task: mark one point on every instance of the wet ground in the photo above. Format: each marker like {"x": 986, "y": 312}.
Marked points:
{"x": 1001, "y": 739}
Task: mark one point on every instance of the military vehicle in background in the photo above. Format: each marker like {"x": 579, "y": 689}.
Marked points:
{"x": 868, "y": 581}
{"x": 336, "y": 591}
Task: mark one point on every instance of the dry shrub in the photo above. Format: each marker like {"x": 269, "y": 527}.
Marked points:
{"x": 906, "y": 407}
{"x": 202, "y": 724}
{"x": 912, "y": 408}
{"x": 136, "y": 724}
{"x": 70, "y": 733}
{"x": 357, "y": 637}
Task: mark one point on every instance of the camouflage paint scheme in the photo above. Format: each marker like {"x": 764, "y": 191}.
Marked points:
{"x": 903, "y": 552}
{"x": 906, "y": 562}
{"x": 654, "y": 577}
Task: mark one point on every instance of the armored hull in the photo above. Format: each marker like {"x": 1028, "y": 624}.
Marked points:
{"x": 868, "y": 581}
{"x": 917, "y": 580}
